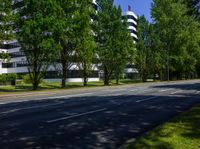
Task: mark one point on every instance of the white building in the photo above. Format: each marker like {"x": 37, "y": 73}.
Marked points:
{"x": 132, "y": 22}
{"x": 130, "y": 71}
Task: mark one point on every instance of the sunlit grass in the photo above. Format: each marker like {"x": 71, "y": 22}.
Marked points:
{"x": 182, "y": 132}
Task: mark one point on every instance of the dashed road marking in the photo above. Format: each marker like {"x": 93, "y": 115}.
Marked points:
{"x": 77, "y": 115}
{"x": 146, "y": 99}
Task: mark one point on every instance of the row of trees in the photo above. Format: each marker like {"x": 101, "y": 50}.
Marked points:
{"x": 169, "y": 47}
{"x": 64, "y": 32}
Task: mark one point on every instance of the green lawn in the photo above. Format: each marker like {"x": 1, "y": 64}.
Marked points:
{"x": 21, "y": 87}
{"x": 183, "y": 132}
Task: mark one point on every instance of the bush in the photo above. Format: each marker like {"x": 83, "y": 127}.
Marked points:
{"x": 3, "y": 79}
{"x": 27, "y": 79}
{"x": 11, "y": 77}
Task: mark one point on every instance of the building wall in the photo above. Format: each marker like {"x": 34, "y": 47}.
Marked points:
{"x": 132, "y": 23}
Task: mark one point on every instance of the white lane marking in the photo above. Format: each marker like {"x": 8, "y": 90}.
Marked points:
{"x": 115, "y": 102}
{"x": 175, "y": 92}
{"x": 146, "y": 99}
{"x": 77, "y": 115}
{"x": 133, "y": 90}
{"x": 43, "y": 98}
{"x": 164, "y": 90}
{"x": 143, "y": 91}
{"x": 197, "y": 92}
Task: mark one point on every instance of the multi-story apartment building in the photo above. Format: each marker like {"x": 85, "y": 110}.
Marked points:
{"x": 130, "y": 70}
{"x": 18, "y": 63}
{"x": 132, "y": 22}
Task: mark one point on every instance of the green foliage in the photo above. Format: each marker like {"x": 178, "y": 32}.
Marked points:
{"x": 64, "y": 35}
{"x": 114, "y": 45}
{"x": 4, "y": 56}
{"x": 179, "y": 36}
{"x": 85, "y": 43}
{"x": 6, "y": 31}
{"x": 144, "y": 55}
{"x": 4, "y": 78}
{"x": 27, "y": 79}
{"x": 6, "y": 16}
{"x": 11, "y": 77}
{"x": 183, "y": 132}
{"x": 35, "y": 36}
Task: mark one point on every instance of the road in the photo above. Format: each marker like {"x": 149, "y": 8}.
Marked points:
{"x": 97, "y": 119}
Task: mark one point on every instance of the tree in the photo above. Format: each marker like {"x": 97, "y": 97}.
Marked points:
{"x": 6, "y": 24}
{"x": 124, "y": 47}
{"x": 175, "y": 30}
{"x": 111, "y": 51}
{"x": 64, "y": 35}
{"x": 35, "y": 36}
{"x": 144, "y": 55}
{"x": 85, "y": 43}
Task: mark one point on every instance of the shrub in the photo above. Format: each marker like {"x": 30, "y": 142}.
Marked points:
{"x": 27, "y": 79}
{"x": 3, "y": 79}
{"x": 11, "y": 77}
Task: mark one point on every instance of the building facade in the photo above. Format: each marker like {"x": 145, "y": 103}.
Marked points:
{"x": 132, "y": 18}
{"x": 130, "y": 71}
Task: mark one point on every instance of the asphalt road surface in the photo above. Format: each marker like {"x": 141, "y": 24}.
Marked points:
{"x": 100, "y": 119}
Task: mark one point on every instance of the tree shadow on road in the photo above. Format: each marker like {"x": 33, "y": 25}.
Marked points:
{"x": 92, "y": 121}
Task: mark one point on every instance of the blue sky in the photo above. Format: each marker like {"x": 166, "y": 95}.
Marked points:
{"x": 140, "y": 7}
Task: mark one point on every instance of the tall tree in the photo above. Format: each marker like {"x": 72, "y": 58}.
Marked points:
{"x": 85, "y": 43}
{"x": 35, "y": 25}
{"x": 144, "y": 55}
{"x": 175, "y": 30}
{"x": 124, "y": 46}
{"x": 65, "y": 36}
{"x": 112, "y": 55}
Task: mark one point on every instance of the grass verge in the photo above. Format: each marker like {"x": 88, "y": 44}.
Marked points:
{"x": 183, "y": 132}
{"x": 45, "y": 86}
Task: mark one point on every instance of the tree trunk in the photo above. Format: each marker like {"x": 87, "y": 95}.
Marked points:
{"x": 106, "y": 77}
{"x": 117, "y": 79}
{"x": 64, "y": 67}
{"x": 85, "y": 81}
{"x": 85, "y": 74}
{"x": 35, "y": 85}
{"x": 35, "y": 81}
{"x": 64, "y": 74}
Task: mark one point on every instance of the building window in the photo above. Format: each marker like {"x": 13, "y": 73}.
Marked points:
{"x": 7, "y": 65}
{"x": 22, "y": 64}
{"x": 17, "y": 54}
{"x": 10, "y": 45}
